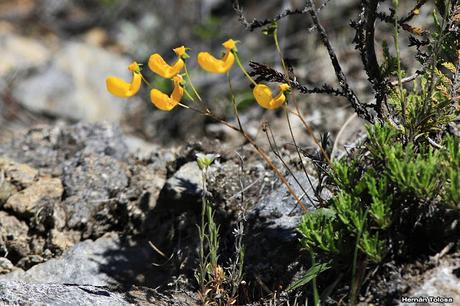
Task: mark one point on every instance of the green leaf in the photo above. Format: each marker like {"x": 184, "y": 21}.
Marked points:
{"x": 312, "y": 273}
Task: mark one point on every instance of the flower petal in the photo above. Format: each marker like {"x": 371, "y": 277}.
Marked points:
{"x": 164, "y": 102}
{"x": 214, "y": 65}
{"x": 229, "y": 44}
{"x": 180, "y": 51}
{"x": 158, "y": 65}
{"x": 264, "y": 96}
{"x": 123, "y": 89}
{"x": 161, "y": 100}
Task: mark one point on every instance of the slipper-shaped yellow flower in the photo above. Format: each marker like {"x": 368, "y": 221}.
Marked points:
{"x": 214, "y": 65}
{"x": 158, "y": 65}
{"x": 123, "y": 89}
{"x": 264, "y": 96}
{"x": 165, "y": 102}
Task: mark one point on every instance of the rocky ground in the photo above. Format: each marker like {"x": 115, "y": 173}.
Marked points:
{"x": 79, "y": 206}
{"x": 100, "y": 197}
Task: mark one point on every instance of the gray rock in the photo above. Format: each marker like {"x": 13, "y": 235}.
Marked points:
{"x": 29, "y": 201}
{"x": 6, "y": 190}
{"x": 103, "y": 262}
{"x": 76, "y": 90}
{"x": 20, "y": 53}
{"x": 17, "y": 173}
{"x": 14, "y": 242}
{"x": 272, "y": 251}
{"x": 61, "y": 241}
{"x": 442, "y": 281}
{"x": 90, "y": 183}
{"x": 79, "y": 265}
{"x": 5, "y": 265}
{"x": 146, "y": 183}
{"x": 139, "y": 147}
{"x": 29, "y": 261}
{"x": 280, "y": 210}
{"x": 187, "y": 182}
{"x": 20, "y": 293}
{"x": 46, "y": 148}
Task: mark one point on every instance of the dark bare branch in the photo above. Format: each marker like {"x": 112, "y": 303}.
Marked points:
{"x": 265, "y": 73}
{"x": 347, "y": 91}
{"x": 254, "y": 24}
{"x": 365, "y": 44}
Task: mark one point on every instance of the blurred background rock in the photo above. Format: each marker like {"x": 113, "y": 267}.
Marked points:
{"x": 55, "y": 55}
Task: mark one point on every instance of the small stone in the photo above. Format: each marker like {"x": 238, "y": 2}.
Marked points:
{"x": 50, "y": 214}
{"x": 18, "y": 173}
{"x": 66, "y": 90}
{"x": 6, "y": 190}
{"x": 13, "y": 237}
{"x": 5, "y": 266}
{"x": 20, "y": 53}
{"x": 61, "y": 241}
{"x": 29, "y": 261}
{"x": 91, "y": 182}
{"x": 186, "y": 182}
{"x": 84, "y": 263}
{"x": 96, "y": 37}
{"x": 37, "y": 244}
{"x": 27, "y": 201}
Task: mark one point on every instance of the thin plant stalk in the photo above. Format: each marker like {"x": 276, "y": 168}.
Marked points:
{"x": 202, "y": 236}
{"x": 237, "y": 58}
{"x": 299, "y": 113}
{"x": 249, "y": 139}
{"x": 259, "y": 151}
{"x": 187, "y": 74}
{"x": 398, "y": 62}
{"x": 188, "y": 95}
{"x": 355, "y": 281}
{"x": 316, "y": 299}
{"x": 275, "y": 38}
{"x": 233, "y": 99}
{"x": 275, "y": 150}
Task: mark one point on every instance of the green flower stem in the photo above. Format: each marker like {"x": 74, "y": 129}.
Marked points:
{"x": 191, "y": 84}
{"x": 232, "y": 98}
{"x": 243, "y": 69}
{"x": 202, "y": 236}
{"x": 145, "y": 80}
{"x": 188, "y": 95}
{"x": 275, "y": 37}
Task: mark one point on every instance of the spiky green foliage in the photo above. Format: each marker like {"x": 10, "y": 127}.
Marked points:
{"x": 390, "y": 185}
{"x": 427, "y": 106}
{"x": 397, "y": 194}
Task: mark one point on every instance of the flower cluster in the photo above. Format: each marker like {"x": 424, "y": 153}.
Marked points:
{"x": 120, "y": 88}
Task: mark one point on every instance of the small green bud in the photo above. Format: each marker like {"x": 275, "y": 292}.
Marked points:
{"x": 205, "y": 160}
{"x": 269, "y": 30}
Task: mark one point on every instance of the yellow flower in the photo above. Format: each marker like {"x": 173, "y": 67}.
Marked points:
{"x": 180, "y": 51}
{"x": 120, "y": 88}
{"x": 158, "y": 65}
{"x": 214, "y": 65}
{"x": 264, "y": 96}
{"x": 165, "y": 102}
